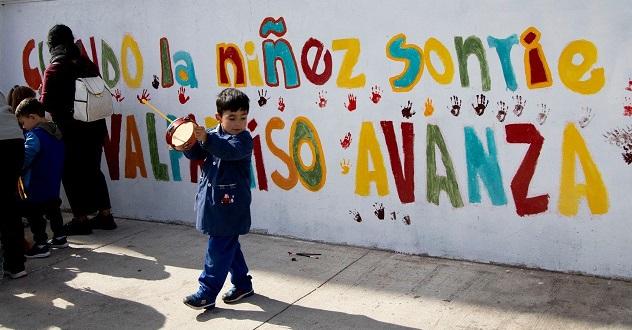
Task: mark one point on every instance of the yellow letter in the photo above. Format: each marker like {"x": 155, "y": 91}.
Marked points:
{"x": 594, "y": 189}
{"x": 352, "y": 45}
{"x": 368, "y": 146}
{"x": 254, "y": 74}
{"x": 571, "y": 74}
{"x": 434, "y": 45}
{"x": 130, "y": 44}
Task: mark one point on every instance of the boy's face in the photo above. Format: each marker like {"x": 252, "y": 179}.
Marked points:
{"x": 233, "y": 122}
{"x": 28, "y": 122}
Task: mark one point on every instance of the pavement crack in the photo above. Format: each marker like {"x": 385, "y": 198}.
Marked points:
{"x": 312, "y": 291}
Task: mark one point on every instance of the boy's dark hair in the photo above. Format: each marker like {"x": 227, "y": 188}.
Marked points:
{"x": 231, "y": 99}
{"x": 30, "y": 106}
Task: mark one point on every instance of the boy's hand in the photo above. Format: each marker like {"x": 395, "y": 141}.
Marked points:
{"x": 200, "y": 133}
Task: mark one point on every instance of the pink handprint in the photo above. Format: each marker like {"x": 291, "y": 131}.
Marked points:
{"x": 281, "y": 105}
{"x": 144, "y": 97}
{"x": 181, "y": 97}
{"x": 376, "y": 94}
{"x": 352, "y": 102}
{"x": 117, "y": 95}
{"x": 322, "y": 101}
{"x": 346, "y": 141}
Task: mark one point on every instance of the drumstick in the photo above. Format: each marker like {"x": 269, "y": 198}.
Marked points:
{"x": 151, "y": 106}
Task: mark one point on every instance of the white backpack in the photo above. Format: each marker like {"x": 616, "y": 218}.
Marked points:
{"x": 93, "y": 100}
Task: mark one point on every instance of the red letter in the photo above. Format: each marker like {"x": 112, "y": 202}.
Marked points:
{"x": 404, "y": 179}
{"x": 526, "y": 133}
{"x": 310, "y": 71}
{"x": 31, "y": 75}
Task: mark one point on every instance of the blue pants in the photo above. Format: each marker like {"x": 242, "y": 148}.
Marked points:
{"x": 223, "y": 255}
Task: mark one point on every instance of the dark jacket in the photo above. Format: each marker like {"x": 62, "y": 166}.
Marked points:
{"x": 43, "y": 163}
{"x": 223, "y": 197}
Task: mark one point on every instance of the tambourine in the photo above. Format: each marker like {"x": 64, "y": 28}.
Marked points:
{"x": 180, "y": 133}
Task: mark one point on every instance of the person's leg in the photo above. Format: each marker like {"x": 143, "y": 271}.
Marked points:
{"x": 35, "y": 215}
{"x": 219, "y": 255}
{"x": 11, "y": 228}
{"x": 53, "y": 214}
{"x": 100, "y": 198}
{"x": 239, "y": 271}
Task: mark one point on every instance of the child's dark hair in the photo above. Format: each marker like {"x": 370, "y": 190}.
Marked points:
{"x": 29, "y": 106}
{"x": 231, "y": 99}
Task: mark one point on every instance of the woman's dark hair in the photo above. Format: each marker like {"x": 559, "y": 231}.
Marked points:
{"x": 60, "y": 35}
{"x": 17, "y": 94}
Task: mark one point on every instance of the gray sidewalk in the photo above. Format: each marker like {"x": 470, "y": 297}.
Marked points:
{"x": 135, "y": 277}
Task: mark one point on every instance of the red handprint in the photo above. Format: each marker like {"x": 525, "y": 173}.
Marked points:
{"x": 117, "y": 95}
{"x": 407, "y": 111}
{"x": 376, "y": 94}
{"x": 144, "y": 97}
{"x": 352, "y": 102}
{"x": 627, "y": 107}
{"x": 322, "y": 101}
{"x": 181, "y": 97}
{"x": 281, "y": 105}
{"x": 346, "y": 141}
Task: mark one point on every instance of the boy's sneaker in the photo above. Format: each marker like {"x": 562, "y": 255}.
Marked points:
{"x": 38, "y": 251}
{"x": 16, "y": 274}
{"x": 234, "y": 295}
{"x": 196, "y": 301}
{"x": 58, "y": 242}
{"x": 102, "y": 222}
{"x": 77, "y": 227}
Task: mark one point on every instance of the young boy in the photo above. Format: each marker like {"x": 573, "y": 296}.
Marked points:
{"x": 223, "y": 200}
{"x": 43, "y": 165}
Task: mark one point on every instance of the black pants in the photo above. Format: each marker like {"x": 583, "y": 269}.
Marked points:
{"x": 35, "y": 214}
{"x": 11, "y": 228}
{"x": 84, "y": 183}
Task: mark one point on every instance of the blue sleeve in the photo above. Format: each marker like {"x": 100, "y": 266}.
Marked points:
{"x": 31, "y": 148}
{"x": 233, "y": 147}
{"x": 196, "y": 152}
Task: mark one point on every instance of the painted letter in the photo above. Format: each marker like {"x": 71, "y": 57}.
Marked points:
{"x": 108, "y": 60}
{"x": 133, "y": 153}
{"x": 434, "y": 182}
{"x": 434, "y": 45}
{"x": 594, "y": 190}
{"x": 535, "y": 66}
{"x": 352, "y": 45}
{"x": 159, "y": 169}
{"x": 526, "y": 133}
{"x": 503, "y": 49}
{"x": 368, "y": 146}
{"x": 404, "y": 177}
{"x": 484, "y": 166}
{"x": 254, "y": 74}
{"x": 398, "y": 50}
{"x": 472, "y": 45}
{"x": 310, "y": 70}
{"x": 129, "y": 44}
{"x": 31, "y": 75}
{"x": 165, "y": 64}
{"x": 571, "y": 74}
{"x": 292, "y": 177}
{"x": 232, "y": 54}
{"x": 303, "y": 132}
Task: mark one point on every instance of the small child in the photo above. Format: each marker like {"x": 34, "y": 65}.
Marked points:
{"x": 43, "y": 165}
{"x": 223, "y": 200}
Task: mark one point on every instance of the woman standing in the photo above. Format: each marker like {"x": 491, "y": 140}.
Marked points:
{"x": 83, "y": 180}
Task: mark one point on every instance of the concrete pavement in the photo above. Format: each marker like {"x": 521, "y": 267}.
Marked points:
{"x": 135, "y": 277}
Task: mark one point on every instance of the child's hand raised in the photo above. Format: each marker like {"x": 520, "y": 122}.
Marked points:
{"x": 200, "y": 133}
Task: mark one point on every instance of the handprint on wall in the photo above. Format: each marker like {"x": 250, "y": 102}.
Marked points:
{"x": 455, "y": 105}
{"x": 117, "y": 96}
{"x": 322, "y": 100}
{"x": 543, "y": 113}
{"x": 181, "y": 97}
{"x": 356, "y": 215}
{"x": 351, "y": 106}
{"x": 393, "y": 216}
{"x": 263, "y": 97}
{"x": 627, "y": 107}
{"x": 406, "y": 220}
{"x": 428, "y": 107}
{"x": 502, "y": 111}
{"x": 481, "y": 104}
{"x": 346, "y": 141}
{"x": 345, "y": 166}
{"x": 144, "y": 97}
{"x": 519, "y": 106}
{"x": 408, "y": 111}
{"x": 281, "y": 104}
{"x": 586, "y": 116}
{"x": 376, "y": 94}
{"x": 379, "y": 210}
{"x": 155, "y": 83}
{"x": 629, "y": 87}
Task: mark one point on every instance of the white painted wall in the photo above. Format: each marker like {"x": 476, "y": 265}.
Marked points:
{"x": 585, "y": 242}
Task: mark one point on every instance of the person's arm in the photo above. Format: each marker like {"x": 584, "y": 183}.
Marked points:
{"x": 196, "y": 152}
{"x": 234, "y": 147}
{"x": 31, "y": 148}
{"x": 50, "y": 96}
